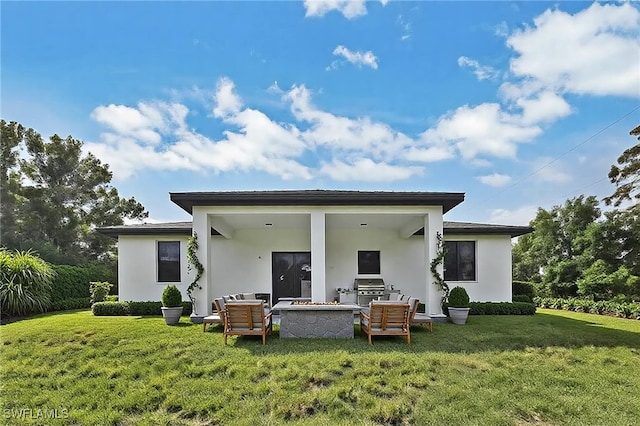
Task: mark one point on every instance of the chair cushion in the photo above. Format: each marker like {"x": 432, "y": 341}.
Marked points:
{"x": 411, "y": 302}
{"x": 248, "y": 296}
{"x": 422, "y": 318}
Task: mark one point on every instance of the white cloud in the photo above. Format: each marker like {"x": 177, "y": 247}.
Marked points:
{"x": 543, "y": 107}
{"x": 593, "y": 52}
{"x": 349, "y": 8}
{"x": 258, "y": 143}
{"x": 520, "y": 216}
{"x": 366, "y": 169}
{"x": 227, "y": 101}
{"x": 483, "y": 129}
{"x": 356, "y": 58}
{"x": 344, "y": 136}
{"x": 405, "y": 26}
{"x": 142, "y": 123}
{"x": 495, "y": 179}
{"x": 482, "y": 72}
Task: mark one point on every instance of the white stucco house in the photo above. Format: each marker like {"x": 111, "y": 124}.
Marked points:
{"x": 311, "y": 242}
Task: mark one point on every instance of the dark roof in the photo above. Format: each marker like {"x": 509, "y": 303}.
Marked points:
{"x": 181, "y": 228}
{"x": 452, "y": 228}
{"x": 184, "y": 228}
{"x": 316, "y": 197}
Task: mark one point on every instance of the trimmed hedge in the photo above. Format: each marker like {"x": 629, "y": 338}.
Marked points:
{"x": 133, "y": 308}
{"x": 73, "y": 281}
{"x": 497, "y": 308}
{"x": 71, "y": 303}
{"x": 602, "y": 307}
{"x": 502, "y": 308}
{"x": 111, "y": 309}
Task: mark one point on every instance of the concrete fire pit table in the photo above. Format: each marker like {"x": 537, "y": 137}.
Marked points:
{"x": 316, "y": 320}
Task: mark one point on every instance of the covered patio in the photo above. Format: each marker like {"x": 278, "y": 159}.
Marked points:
{"x": 255, "y": 241}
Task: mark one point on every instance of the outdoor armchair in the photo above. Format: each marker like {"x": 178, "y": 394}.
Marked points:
{"x": 417, "y": 318}
{"x": 247, "y": 318}
{"x": 216, "y": 317}
{"x": 386, "y": 319}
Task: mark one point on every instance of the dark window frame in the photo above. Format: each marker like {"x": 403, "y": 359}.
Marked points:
{"x": 168, "y": 267}
{"x": 368, "y": 262}
{"x": 461, "y": 262}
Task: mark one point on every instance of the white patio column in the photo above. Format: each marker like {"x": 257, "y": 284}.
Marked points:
{"x": 432, "y": 226}
{"x": 202, "y": 228}
{"x": 318, "y": 262}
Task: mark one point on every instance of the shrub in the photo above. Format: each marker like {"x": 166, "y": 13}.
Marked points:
{"x": 71, "y": 303}
{"x": 73, "y": 281}
{"x": 502, "y": 308}
{"x": 110, "y": 309}
{"x": 171, "y": 297}
{"x": 521, "y": 298}
{"x": 145, "y": 308}
{"x": 112, "y": 298}
{"x": 99, "y": 291}
{"x": 523, "y": 288}
{"x": 25, "y": 283}
{"x": 458, "y": 298}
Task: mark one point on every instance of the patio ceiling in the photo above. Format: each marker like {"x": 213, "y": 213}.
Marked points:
{"x": 398, "y": 222}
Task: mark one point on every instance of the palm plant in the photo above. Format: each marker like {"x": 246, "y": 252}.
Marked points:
{"x": 25, "y": 282}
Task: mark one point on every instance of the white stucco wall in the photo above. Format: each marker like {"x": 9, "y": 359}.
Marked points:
{"x": 493, "y": 268}
{"x": 243, "y": 264}
{"x": 401, "y": 259}
{"x": 137, "y": 267}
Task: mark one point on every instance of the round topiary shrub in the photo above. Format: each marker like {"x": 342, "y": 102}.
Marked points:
{"x": 171, "y": 297}
{"x": 458, "y": 298}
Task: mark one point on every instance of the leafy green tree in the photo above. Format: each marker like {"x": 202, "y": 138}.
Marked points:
{"x": 602, "y": 281}
{"x": 626, "y": 176}
{"x": 11, "y": 134}
{"x": 558, "y": 246}
{"x": 65, "y": 194}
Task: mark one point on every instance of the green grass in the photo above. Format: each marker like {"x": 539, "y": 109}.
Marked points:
{"x": 556, "y": 367}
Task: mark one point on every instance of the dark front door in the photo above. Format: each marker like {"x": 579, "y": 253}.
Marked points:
{"x": 289, "y": 270}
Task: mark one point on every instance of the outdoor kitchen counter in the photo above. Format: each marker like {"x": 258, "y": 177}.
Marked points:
{"x": 330, "y": 321}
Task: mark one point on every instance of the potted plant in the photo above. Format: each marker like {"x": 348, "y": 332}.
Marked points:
{"x": 171, "y": 305}
{"x": 458, "y": 305}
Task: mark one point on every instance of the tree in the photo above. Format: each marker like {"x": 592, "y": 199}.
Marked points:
{"x": 626, "y": 176}
{"x": 66, "y": 194}
{"x": 558, "y": 245}
{"x": 11, "y": 134}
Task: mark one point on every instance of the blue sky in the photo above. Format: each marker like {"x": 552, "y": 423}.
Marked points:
{"x": 518, "y": 104}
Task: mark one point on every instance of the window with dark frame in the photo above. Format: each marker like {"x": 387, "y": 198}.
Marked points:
{"x": 168, "y": 261}
{"x": 460, "y": 261}
{"x": 368, "y": 262}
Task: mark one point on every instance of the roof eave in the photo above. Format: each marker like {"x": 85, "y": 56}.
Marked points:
{"x": 187, "y": 200}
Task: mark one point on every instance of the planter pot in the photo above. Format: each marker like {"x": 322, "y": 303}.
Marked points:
{"x": 458, "y": 315}
{"x": 196, "y": 319}
{"x": 172, "y": 315}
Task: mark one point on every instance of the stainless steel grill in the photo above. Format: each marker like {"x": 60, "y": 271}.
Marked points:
{"x": 368, "y": 289}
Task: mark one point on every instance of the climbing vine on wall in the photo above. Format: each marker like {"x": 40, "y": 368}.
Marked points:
{"x": 438, "y": 280}
{"x": 194, "y": 263}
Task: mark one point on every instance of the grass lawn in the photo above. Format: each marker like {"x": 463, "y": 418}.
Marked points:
{"x": 555, "y": 367}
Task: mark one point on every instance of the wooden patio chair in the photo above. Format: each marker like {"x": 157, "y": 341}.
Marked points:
{"x": 386, "y": 319}
{"x": 417, "y": 318}
{"x": 247, "y": 318}
{"x": 216, "y": 317}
